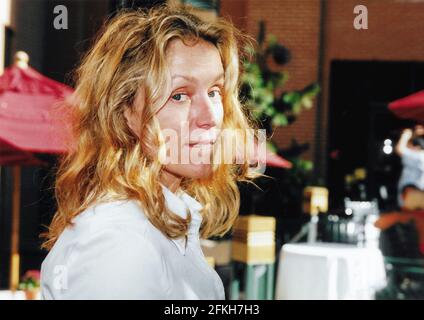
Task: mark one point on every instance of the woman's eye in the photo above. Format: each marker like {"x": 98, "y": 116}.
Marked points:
{"x": 179, "y": 97}
{"x": 214, "y": 93}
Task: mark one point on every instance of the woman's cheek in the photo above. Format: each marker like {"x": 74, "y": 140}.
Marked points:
{"x": 219, "y": 114}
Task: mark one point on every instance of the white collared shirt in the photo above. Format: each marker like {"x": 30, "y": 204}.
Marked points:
{"x": 114, "y": 252}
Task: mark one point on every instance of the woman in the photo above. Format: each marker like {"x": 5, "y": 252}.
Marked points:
{"x": 129, "y": 220}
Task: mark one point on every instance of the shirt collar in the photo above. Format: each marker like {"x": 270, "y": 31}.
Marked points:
{"x": 179, "y": 203}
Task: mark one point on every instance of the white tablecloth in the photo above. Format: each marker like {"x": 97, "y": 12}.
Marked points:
{"x": 329, "y": 271}
{"x": 9, "y": 295}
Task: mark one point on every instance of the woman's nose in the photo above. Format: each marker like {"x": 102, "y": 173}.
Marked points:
{"x": 205, "y": 113}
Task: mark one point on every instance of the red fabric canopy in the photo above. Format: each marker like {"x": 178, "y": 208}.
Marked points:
{"x": 274, "y": 160}
{"x": 31, "y": 120}
{"x": 409, "y": 107}
{"x": 271, "y": 159}
{"x": 9, "y": 155}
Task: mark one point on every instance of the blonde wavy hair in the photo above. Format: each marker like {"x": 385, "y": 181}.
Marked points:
{"x": 107, "y": 160}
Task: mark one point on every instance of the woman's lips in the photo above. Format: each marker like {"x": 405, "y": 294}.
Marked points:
{"x": 201, "y": 143}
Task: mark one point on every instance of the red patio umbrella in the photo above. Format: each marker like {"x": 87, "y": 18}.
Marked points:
{"x": 271, "y": 158}
{"x": 31, "y": 121}
{"x": 274, "y": 160}
{"x": 30, "y": 117}
{"x": 409, "y": 107}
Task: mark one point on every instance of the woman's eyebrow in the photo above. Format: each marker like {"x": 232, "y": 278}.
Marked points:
{"x": 219, "y": 77}
{"x": 193, "y": 79}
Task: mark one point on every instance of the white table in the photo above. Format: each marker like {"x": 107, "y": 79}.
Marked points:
{"x": 9, "y": 295}
{"x": 329, "y": 271}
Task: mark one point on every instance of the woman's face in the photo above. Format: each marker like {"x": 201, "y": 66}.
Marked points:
{"x": 194, "y": 110}
{"x": 191, "y": 117}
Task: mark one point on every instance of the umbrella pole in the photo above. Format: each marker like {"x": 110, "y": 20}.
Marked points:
{"x": 14, "y": 244}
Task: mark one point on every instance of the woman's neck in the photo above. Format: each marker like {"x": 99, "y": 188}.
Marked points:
{"x": 171, "y": 181}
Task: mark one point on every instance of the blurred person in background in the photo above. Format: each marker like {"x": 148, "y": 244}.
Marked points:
{"x": 403, "y": 229}
{"x": 410, "y": 148}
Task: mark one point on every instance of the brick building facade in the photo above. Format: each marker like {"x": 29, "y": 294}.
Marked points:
{"x": 319, "y": 32}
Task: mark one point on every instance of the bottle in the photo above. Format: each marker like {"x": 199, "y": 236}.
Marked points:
{"x": 349, "y": 181}
{"x": 361, "y": 189}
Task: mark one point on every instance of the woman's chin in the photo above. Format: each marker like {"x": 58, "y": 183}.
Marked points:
{"x": 191, "y": 171}
{"x": 199, "y": 171}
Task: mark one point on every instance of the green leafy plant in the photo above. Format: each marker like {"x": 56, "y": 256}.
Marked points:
{"x": 260, "y": 84}
{"x": 262, "y": 91}
{"x": 30, "y": 280}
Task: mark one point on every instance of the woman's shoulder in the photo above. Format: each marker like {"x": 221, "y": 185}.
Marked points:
{"x": 102, "y": 215}
{"x": 115, "y": 221}
{"x": 114, "y": 225}
{"x": 109, "y": 241}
